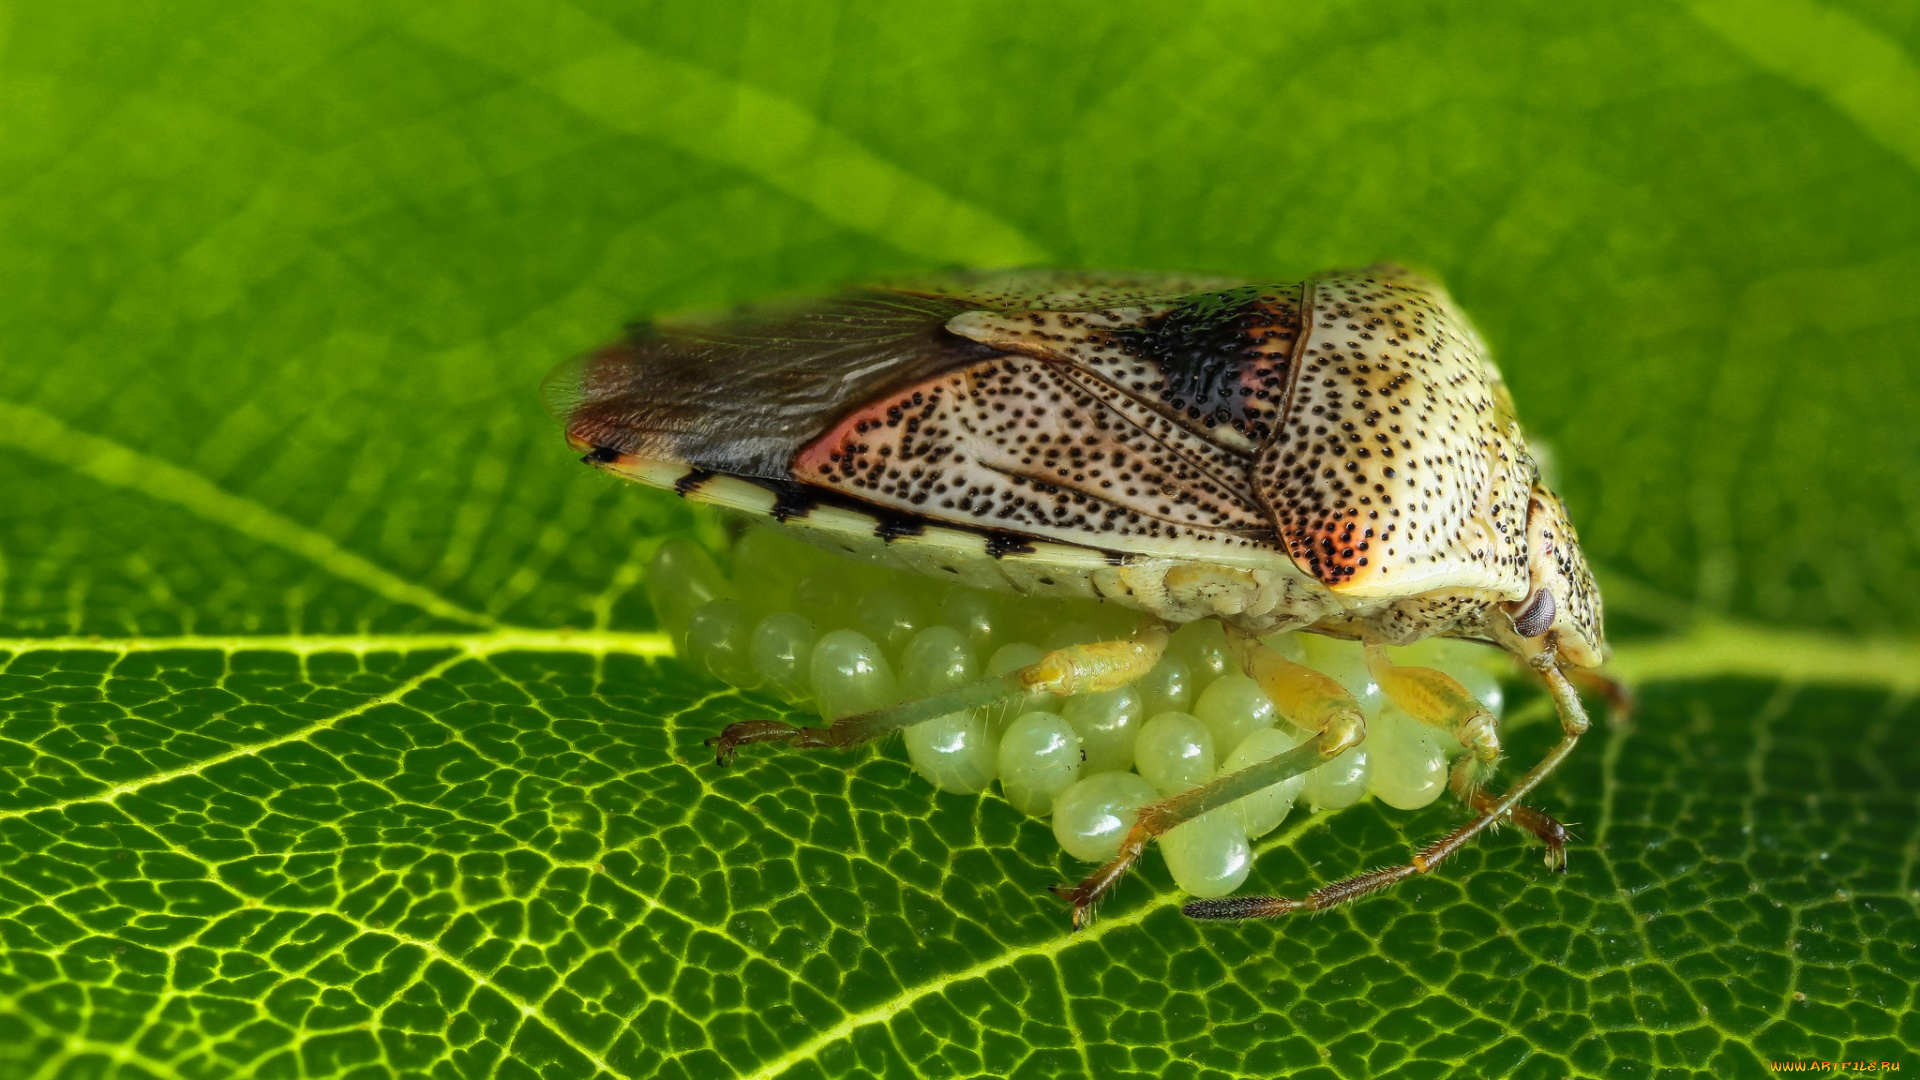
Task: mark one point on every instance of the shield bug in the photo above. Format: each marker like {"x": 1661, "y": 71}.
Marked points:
{"x": 1336, "y": 456}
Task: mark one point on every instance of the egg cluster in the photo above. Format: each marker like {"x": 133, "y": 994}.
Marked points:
{"x": 843, "y": 637}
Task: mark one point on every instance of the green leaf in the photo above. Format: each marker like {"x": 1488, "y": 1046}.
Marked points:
{"x": 335, "y": 737}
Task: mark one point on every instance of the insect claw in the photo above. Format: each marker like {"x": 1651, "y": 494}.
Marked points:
{"x": 1085, "y": 898}
{"x": 1082, "y": 908}
{"x": 727, "y": 744}
{"x": 724, "y": 749}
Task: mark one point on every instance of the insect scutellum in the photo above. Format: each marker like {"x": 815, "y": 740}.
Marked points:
{"x": 839, "y": 637}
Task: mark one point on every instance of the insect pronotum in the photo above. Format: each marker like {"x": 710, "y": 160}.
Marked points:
{"x": 1324, "y": 470}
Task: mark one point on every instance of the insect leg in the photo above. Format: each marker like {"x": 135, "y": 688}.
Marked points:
{"x": 1620, "y": 700}
{"x": 1573, "y": 724}
{"x": 1076, "y": 669}
{"x": 1308, "y": 699}
{"x": 1437, "y": 699}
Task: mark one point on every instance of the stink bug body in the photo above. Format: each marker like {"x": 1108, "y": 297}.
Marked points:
{"x": 1337, "y": 456}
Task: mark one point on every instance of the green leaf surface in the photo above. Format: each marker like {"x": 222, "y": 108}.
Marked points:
{"x": 335, "y": 738}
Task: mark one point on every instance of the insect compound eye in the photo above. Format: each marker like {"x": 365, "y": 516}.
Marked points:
{"x": 1534, "y": 619}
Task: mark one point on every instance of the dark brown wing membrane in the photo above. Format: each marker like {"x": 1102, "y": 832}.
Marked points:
{"x": 742, "y": 392}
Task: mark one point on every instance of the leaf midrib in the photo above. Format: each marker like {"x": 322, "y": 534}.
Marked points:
{"x": 117, "y": 465}
{"x": 1709, "y": 649}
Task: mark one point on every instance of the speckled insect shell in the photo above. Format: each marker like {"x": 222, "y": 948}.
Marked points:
{"x": 1336, "y": 454}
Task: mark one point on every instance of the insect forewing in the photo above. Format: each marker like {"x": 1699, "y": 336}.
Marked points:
{"x": 893, "y": 398}
{"x": 741, "y": 392}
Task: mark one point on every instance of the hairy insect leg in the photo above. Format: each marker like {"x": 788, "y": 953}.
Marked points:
{"x": 1619, "y": 696}
{"x": 1573, "y": 724}
{"x": 1307, "y": 698}
{"x": 1438, "y": 700}
{"x": 1075, "y": 669}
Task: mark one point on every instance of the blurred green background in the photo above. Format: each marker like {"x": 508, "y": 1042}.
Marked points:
{"x": 277, "y": 287}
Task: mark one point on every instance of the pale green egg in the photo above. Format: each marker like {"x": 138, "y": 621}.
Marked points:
{"x": 1108, "y": 723}
{"x": 1484, "y": 685}
{"x": 890, "y": 616}
{"x": 1167, "y": 688}
{"x": 1340, "y": 782}
{"x": 1409, "y": 765}
{"x": 955, "y": 752}
{"x": 935, "y": 659}
{"x": 1039, "y": 758}
{"x": 1203, "y": 645}
{"x": 681, "y": 578}
{"x": 1288, "y": 645}
{"x": 782, "y": 654}
{"x": 720, "y": 640}
{"x": 1091, "y": 817}
{"x": 1174, "y": 753}
{"x": 826, "y": 596}
{"x": 1208, "y": 856}
{"x": 850, "y": 675}
{"x": 1233, "y": 708}
{"x": 976, "y": 613}
{"x": 1026, "y": 619}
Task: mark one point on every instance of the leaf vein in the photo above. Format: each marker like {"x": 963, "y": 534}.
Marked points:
{"x": 116, "y": 465}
